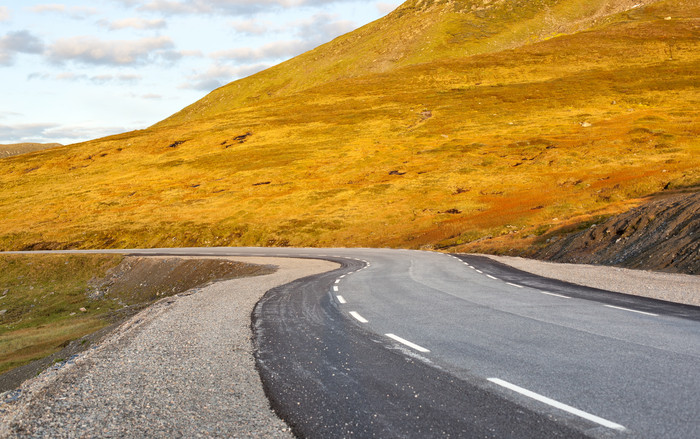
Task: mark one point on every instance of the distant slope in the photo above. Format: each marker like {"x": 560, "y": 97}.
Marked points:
{"x": 23, "y": 148}
{"x": 435, "y": 150}
{"x": 659, "y": 235}
{"x": 418, "y": 31}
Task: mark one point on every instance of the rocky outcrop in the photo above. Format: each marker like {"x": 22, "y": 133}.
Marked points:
{"x": 661, "y": 235}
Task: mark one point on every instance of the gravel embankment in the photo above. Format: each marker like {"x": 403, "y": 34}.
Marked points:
{"x": 679, "y": 288}
{"x": 183, "y": 368}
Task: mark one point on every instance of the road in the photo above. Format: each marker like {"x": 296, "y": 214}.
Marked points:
{"x": 401, "y": 343}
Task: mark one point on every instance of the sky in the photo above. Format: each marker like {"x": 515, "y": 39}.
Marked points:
{"x": 80, "y": 70}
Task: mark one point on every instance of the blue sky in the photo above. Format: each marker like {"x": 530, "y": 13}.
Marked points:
{"x": 79, "y": 70}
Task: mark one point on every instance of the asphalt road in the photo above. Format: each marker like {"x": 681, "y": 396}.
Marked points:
{"x": 403, "y": 343}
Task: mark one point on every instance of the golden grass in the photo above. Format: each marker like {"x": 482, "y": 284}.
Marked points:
{"x": 434, "y": 151}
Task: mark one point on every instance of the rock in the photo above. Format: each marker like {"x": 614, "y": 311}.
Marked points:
{"x": 3, "y": 312}
{"x": 83, "y": 310}
{"x": 586, "y": 124}
{"x": 665, "y": 228}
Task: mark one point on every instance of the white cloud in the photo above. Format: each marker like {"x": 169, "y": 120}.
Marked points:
{"x": 274, "y": 50}
{"x": 97, "y": 79}
{"x": 16, "y": 42}
{"x": 232, "y": 7}
{"x": 9, "y": 114}
{"x": 311, "y": 32}
{"x": 322, "y": 27}
{"x": 385, "y": 8}
{"x": 52, "y": 7}
{"x": 90, "y": 50}
{"x": 4, "y": 13}
{"x": 255, "y": 27}
{"x": 51, "y": 132}
{"x": 218, "y": 75}
{"x": 136, "y": 23}
{"x": 76, "y": 12}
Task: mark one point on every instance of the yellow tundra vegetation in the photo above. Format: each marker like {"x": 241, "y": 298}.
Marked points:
{"x": 435, "y": 127}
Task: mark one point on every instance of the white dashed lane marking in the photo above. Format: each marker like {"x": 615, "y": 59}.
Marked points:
{"x": 488, "y": 275}
{"x": 335, "y": 288}
{"x": 515, "y": 285}
{"x": 559, "y": 405}
{"x": 407, "y": 343}
{"x": 358, "y": 317}
{"x": 633, "y": 310}
{"x": 555, "y": 295}
{"x": 341, "y": 299}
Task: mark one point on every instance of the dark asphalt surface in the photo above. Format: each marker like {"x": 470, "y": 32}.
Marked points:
{"x": 618, "y": 372}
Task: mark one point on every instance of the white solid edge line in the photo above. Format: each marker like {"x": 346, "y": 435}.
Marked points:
{"x": 488, "y": 275}
{"x": 515, "y": 285}
{"x": 358, "y": 317}
{"x": 559, "y": 405}
{"x": 341, "y": 299}
{"x": 555, "y": 295}
{"x": 335, "y": 288}
{"x": 407, "y": 343}
{"x": 632, "y": 310}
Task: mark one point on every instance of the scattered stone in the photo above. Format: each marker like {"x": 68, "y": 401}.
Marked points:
{"x": 3, "y": 312}
{"x": 665, "y": 228}
{"x": 176, "y": 144}
{"x": 83, "y": 310}
{"x": 586, "y": 124}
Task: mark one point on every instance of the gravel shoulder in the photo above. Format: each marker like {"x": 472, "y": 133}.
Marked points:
{"x": 184, "y": 367}
{"x": 671, "y": 287}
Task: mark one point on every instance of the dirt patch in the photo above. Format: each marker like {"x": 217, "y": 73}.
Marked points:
{"x": 138, "y": 281}
{"x": 662, "y": 235}
{"x": 134, "y": 284}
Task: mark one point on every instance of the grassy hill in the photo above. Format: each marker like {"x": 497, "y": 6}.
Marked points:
{"x": 439, "y": 126}
{"x": 24, "y": 148}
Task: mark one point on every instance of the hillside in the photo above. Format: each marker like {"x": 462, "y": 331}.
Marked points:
{"x": 418, "y": 31}
{"x": 438, "y": 141}
{"x": 23, "y": 148}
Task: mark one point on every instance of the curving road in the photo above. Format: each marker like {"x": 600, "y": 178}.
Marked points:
{"x": 401, "y": 343}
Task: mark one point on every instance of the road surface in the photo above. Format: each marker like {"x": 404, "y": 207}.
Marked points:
{"x": 401, "y": 343}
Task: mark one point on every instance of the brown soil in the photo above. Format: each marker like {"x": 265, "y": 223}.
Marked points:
{"x": 136, "y": 283}
{"x": 662, "y": 235}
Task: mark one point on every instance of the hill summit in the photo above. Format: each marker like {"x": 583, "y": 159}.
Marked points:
{"x": 477, "y": 124}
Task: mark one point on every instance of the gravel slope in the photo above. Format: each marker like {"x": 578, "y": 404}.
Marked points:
{"x": 679, "y": 288}
{"x": 184, "y": 368}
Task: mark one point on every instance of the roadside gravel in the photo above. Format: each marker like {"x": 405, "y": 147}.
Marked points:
{"x": 679, "y": 288}
{"x": 184, "y": 368}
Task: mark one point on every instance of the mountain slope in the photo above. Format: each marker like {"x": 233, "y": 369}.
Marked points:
{"x": 418, "y": 31}
{"x": 434, "y": 152}
{"x": 24, "y": 148}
